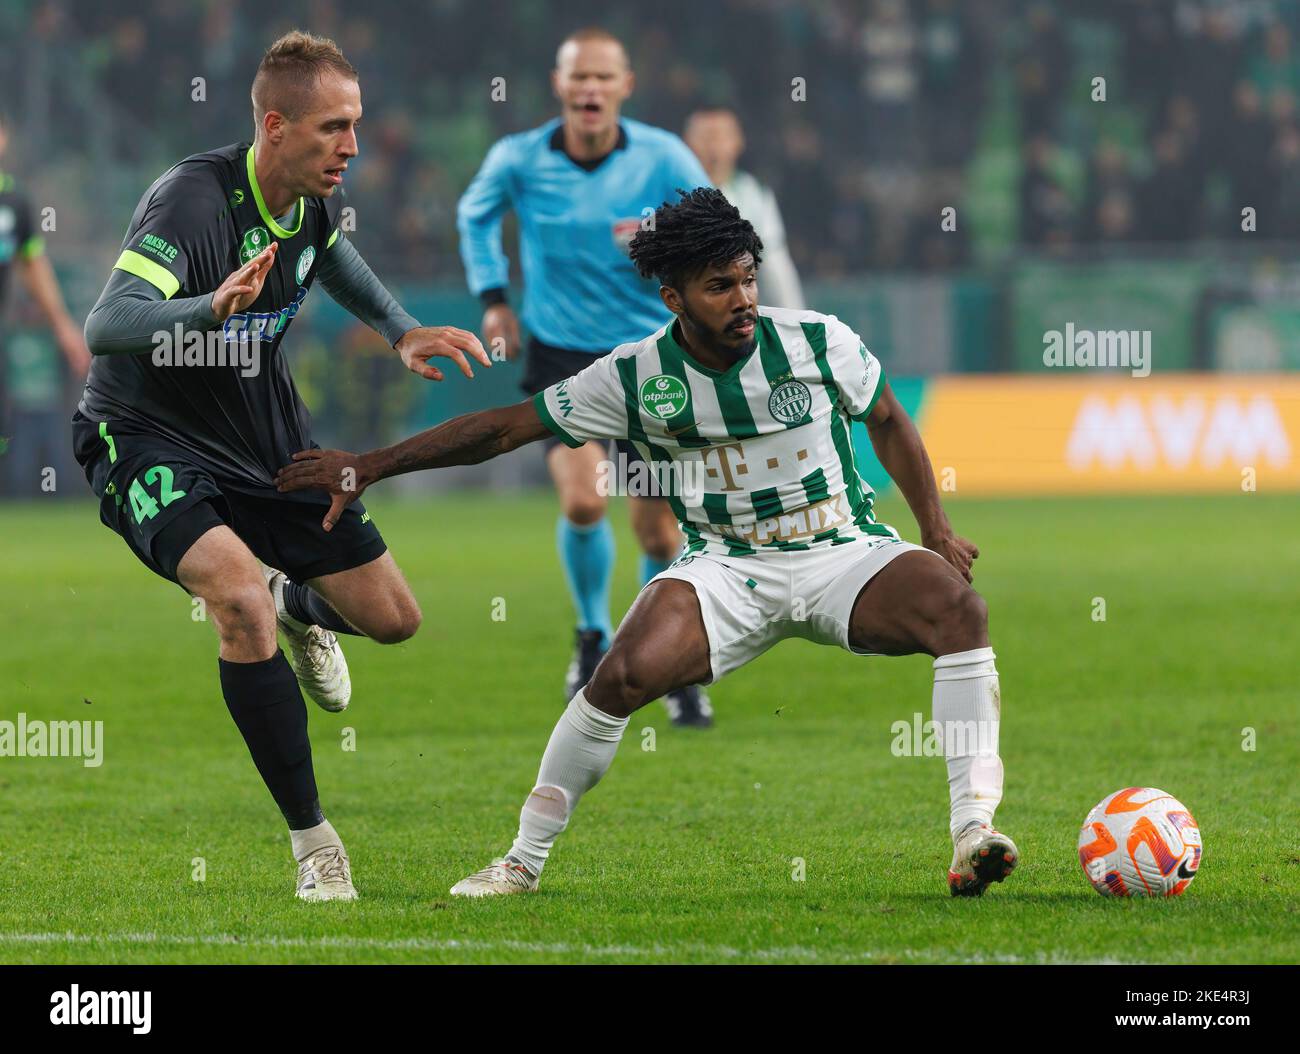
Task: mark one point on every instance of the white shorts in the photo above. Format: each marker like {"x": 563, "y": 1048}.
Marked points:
{"x": 751, "y": 602}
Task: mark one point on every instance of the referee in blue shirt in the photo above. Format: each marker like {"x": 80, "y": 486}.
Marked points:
{"x": 580, "y": 186}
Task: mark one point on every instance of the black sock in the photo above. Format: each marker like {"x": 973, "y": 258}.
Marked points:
{"x": 264, "y": 700}
{"x": 309, "y": 607}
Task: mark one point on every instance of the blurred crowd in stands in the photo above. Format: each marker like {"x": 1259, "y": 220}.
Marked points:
{"x": 867, "y": 117}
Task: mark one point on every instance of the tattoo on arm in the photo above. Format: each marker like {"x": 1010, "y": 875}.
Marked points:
{"x": 465, "y": 440}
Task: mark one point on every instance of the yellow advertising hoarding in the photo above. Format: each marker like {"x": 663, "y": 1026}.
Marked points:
{"x": 1184, "y": 433}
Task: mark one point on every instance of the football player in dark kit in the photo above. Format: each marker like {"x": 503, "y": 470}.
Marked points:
{"x": 189, "y": 410}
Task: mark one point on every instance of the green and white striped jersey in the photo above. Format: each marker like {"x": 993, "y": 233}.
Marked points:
{"x": 755, "y": 458}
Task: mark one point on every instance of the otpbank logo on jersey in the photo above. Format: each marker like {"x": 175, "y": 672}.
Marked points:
{"x": 262, "y": 325}
{"x": 255, "y": 240}
{"x": 664, "y": 396}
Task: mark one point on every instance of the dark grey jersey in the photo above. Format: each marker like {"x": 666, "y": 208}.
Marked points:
{"x": 226, "y": 394}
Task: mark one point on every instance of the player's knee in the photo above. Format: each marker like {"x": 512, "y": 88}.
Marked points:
{"x": 620, "y": 684}
{"x": 963, "y": 624}
{"x": 583, "y": 509}
{"x": 398, "y": 624}
{"x": 660, "y": 540}
{"x": 243, "y": 611}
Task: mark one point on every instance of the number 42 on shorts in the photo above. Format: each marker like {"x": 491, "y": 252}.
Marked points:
{"x": 145, "y": 505}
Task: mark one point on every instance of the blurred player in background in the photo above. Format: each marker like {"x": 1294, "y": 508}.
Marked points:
{"x": 180, "y": 447}
{"x": 716, "y": 137}
{"x": 22, "y": 247}
{"x": 581, "y": 185}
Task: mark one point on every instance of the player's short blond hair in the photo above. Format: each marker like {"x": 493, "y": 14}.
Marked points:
{"x": 291, "y": 70}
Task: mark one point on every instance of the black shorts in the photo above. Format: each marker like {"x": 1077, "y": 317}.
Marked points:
{"x": 545, "y": 365}
{"x": 161, "y": 500}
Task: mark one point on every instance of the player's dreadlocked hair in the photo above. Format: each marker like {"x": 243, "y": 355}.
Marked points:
{"x": 702, "y": 229}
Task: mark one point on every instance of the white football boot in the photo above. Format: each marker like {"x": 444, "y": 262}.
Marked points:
{"x": 326, "y": 875}
{"x": 501, "y": 876}
{"x": 318, "y": 661}
{"x": 980, "y": 857}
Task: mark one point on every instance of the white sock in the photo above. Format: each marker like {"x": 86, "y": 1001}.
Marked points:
{"x": 313, "y": 838}
{"x": 582, "y": 746}
{"x": 967, "y": 709}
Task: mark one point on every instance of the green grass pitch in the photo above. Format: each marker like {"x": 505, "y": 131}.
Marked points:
{"x": 688, "y": 852}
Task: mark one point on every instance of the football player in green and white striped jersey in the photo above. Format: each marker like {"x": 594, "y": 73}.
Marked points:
{"x": 760, "y": 451}
{"x": 745, "y": 414}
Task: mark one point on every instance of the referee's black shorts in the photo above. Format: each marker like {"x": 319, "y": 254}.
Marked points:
{"x": 545, "y": 365}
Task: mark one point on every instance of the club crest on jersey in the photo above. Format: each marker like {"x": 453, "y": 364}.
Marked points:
{"x": 664, "y": 397}
{"x": 305, "y": 259}
{"x": 789, "y": 402}
{"x": 255, "y": 240}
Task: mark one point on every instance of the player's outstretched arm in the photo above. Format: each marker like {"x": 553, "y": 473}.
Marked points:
{"x": 353, "y": 285}
{"x": 898, "y": 445}
{"x": 465, "y": 440}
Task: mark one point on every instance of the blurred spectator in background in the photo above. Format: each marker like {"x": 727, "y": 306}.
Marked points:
{"x": 1210, "y": 69}
{"x": 890, "y": 83}
{"x": 899, "y": 97}
{"x": 1169, "y": 196}
{"x": 1282, "y": 219}
{"x": 1151, "y": 49}
{"x": 1042, "y": 72}
{"x": 716, "y": 137}
{"x": 1110, "y": 204}
{"x": 1276, "y": 69}
{"x": 932, "y": 246}
{"x": 809, "y": 192}
{"x": 952, "y": 83}
{"x": 1250, "y": 137}
{"x": 1046, "y": 214}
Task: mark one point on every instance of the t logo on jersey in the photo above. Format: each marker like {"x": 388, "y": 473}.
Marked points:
{"x": 789, "y": 402}
{"x": 664, "y": 397}
{"x": 255, "y": 240}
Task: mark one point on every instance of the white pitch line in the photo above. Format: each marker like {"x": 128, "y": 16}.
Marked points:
{"x": 657, "y": 951}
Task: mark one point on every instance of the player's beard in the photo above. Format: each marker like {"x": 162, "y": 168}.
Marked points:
{"x": 717, "y": 341}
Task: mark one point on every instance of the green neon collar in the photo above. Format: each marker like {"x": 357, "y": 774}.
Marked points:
{"x": 276, "y": 229}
